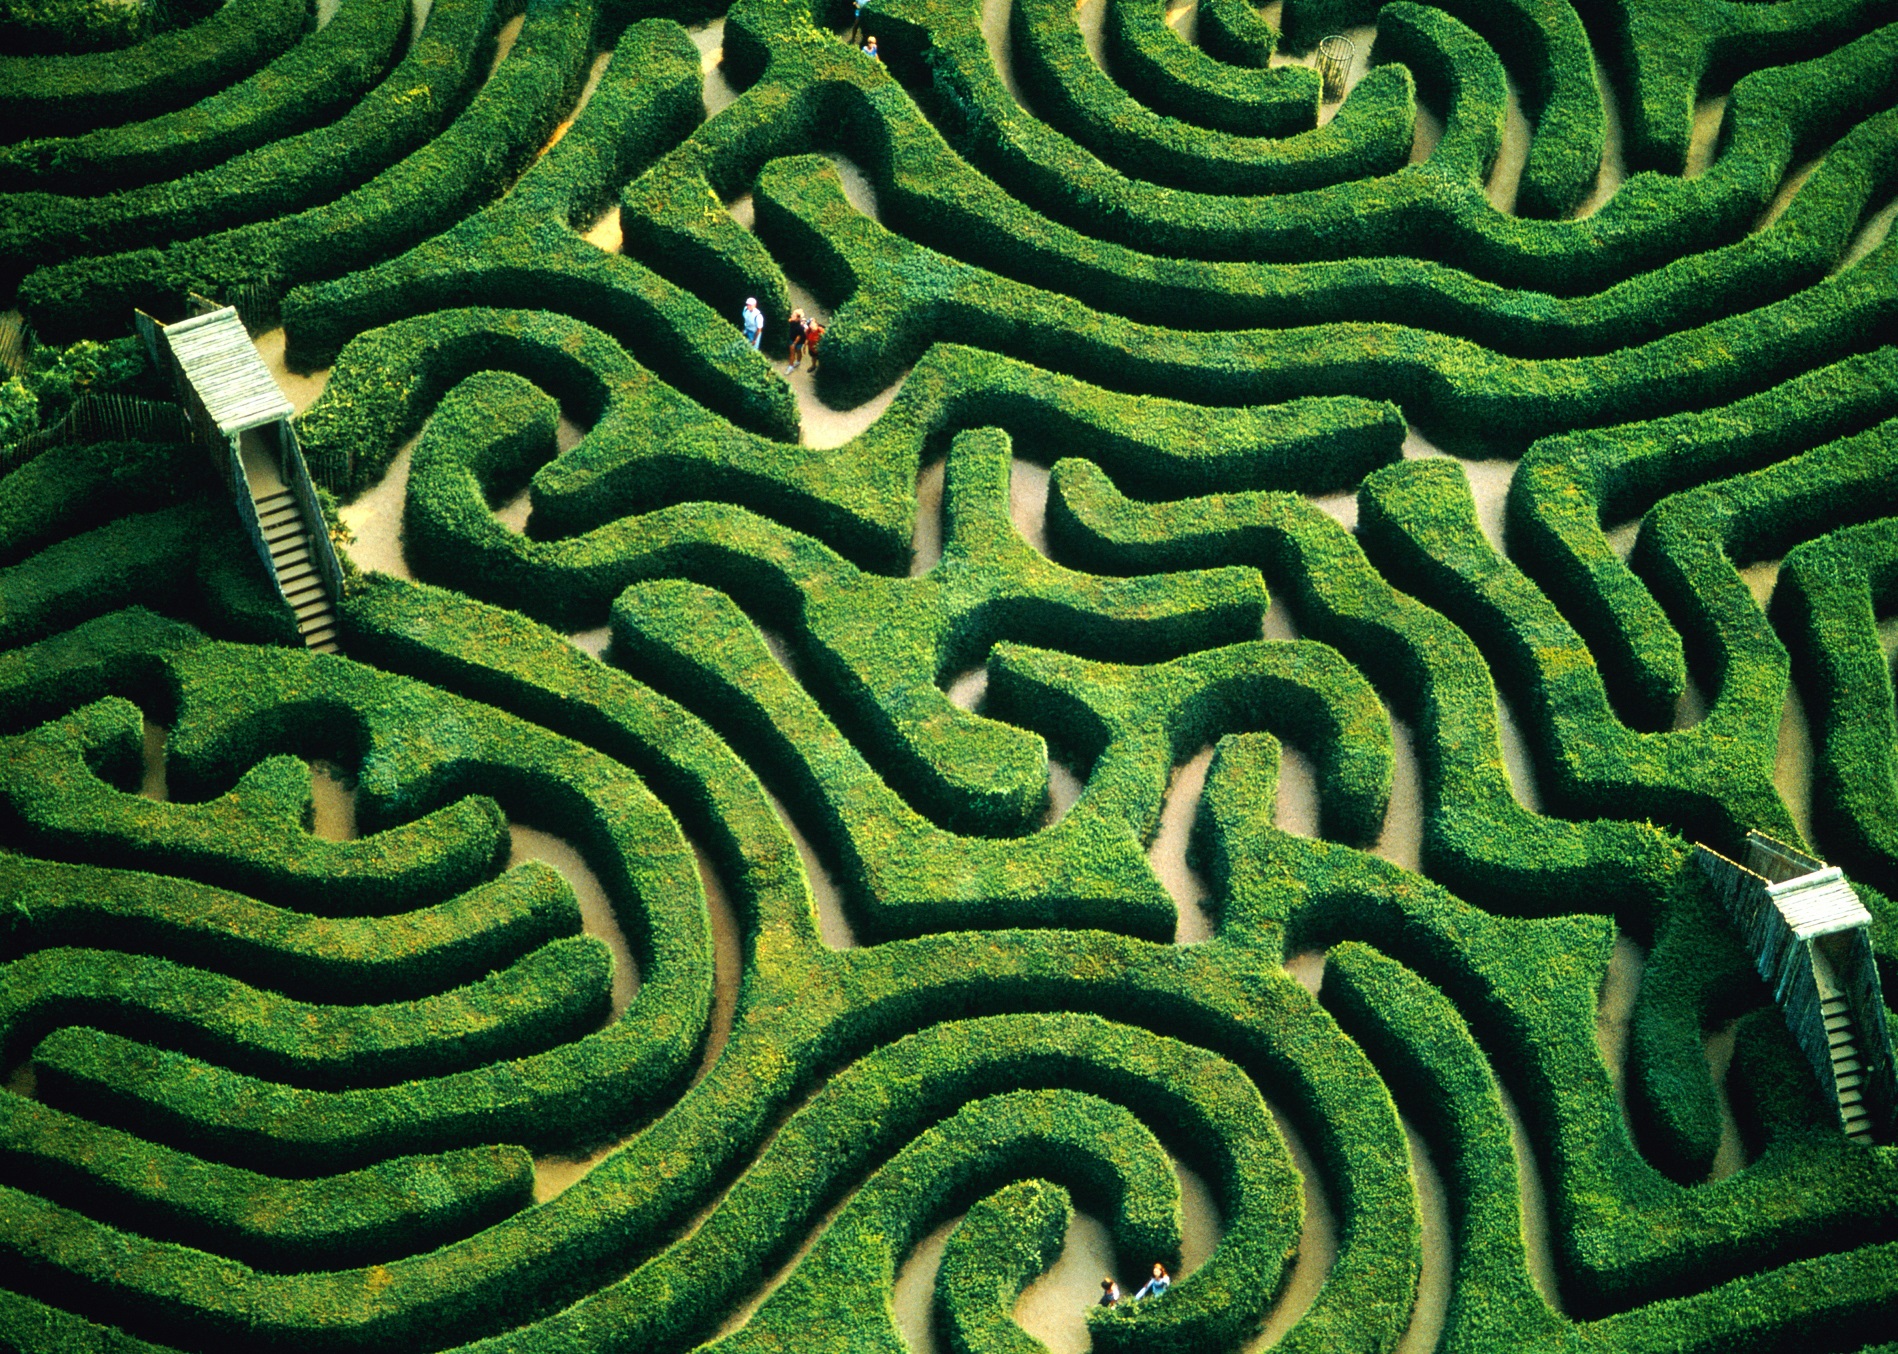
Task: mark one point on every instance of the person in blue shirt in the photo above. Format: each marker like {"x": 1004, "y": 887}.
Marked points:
{"x": 856, "y": 20}
{"x": 1155, "y": 1286}
{"x": 754, "y": 322}
{"x": 870, "y": 49}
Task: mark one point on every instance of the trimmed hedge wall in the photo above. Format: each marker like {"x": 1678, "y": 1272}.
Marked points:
{"x": 393, "y": 956}
{"x": 251, "y": 838}
{"x": 1651, "y": 219}
{"x": 1826, "y": 605}
{"x": 313, "y": 82}
{"x": 1419, "y": 1040}
{"x": 1713, "y": 782}
{"x": 1370, "y": 135}
{"x": 479, "y": 153}
{"x": 1204, "y": 85}
{"x": 1477, "y": 838}
{"x": 525, "y": 251}
{"x": 62, "y": 95}
{"x": 317, "y": 160}
{"x": 552, "y": 996}
{"x": 1570, "y": 486}
{"x": 68, "y": 489}
{"x": 1002, "y": 1244}
{"x": 397, "y": 1207}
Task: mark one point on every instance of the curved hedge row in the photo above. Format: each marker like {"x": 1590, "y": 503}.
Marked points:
{"x": 1370, "y": 135}
{"x": 61, "y": 95}
{"x": 1826, "y": 604}
{"x": 486, "y": 145}
{"x": 311, "y": 83}
{"x": 393, "y": 956}
{"x": 401, "y": 1206}
{"x": 320, "y": 160}
{"x": 1198, "y": 85}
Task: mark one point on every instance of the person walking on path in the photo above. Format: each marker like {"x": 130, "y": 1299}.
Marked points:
{"x": 856, "y": 21}
{"x": 1155, "y": 1286}
{"x": 1110, "y": 1293}
{"x": 870, "y": 49}
{"x": 813, "y": 334}
{"x": 754, "y": 322}
{"x": 797, "y": 341}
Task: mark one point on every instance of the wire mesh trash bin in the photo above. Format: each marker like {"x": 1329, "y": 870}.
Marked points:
{"x": 1335, "y": 55}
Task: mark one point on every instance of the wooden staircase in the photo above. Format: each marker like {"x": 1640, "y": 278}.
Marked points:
{"x": 293, "y": 558}
{"x": 1810, "y": 936}
{"x": 1848, "y": 1069}
{"x": 237, "y": 410}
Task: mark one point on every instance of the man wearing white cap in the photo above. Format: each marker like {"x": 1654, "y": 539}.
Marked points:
{"x": 754, "y": 322}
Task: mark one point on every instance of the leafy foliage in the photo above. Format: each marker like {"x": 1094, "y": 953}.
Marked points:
{"x": 1465, "y": 525}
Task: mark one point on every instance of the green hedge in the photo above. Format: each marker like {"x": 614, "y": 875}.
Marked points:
{"x": 1827, "y": 602}
{"x": 1477, "y": 838}
{"x": 558, "y": 1100}
{"x": 903, "y": 296}
{"x": 1570, "y": 486}
{"x": 1650, "y": 220}
{"x": 1669, "y": 52}
{"x": 315, "y": 160}
{"x": 556, "y": 994}
{"x": 68, "y": 489}
{"x": 1003, "y": 1243}
{"x": 251, "y": 838}
{"x": 486, "y": 146}
{"x": 1440, "y": 1075}
{"x": 1370, "y": 135}
{"x": 1711, "y": 783}
{"x": 62, "y": 95}
{"x": 190, "y": 558}
{"x": 398, "y": 956}
{"x": 648, "y": 439}
{"x": 1234, "y": 32}
{"x": 904, "y": 984}
{"x": 931, "y": 627}
{"x": 1197, "y": 84}
{"x": 313, "y": 82}
{"x": 524, "y": 251}
{"x": 931, "y": 195}
{"x": 393, "y": 1208}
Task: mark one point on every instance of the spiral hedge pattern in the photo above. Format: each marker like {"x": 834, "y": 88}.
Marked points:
{"x": 870, "y": 976}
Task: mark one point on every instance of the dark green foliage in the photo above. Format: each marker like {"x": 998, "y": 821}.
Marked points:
{"x": 1001, "y": 1245}
{"x": 61, "y": 95}
{"x": 292, "y": 171}
{"x": 486, "y": 145}
{"x": 1370, "y": 135}
{"x": 921, "y": 762}
{"x": 1160, "y": 70}
{"x": 311, "y": 83}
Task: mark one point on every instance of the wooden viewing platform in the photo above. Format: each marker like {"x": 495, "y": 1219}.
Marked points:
{"x": 1810, "y": 939}
{"x": 238, "y": 411}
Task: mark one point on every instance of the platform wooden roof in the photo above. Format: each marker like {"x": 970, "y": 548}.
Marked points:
{"x": 216, "y": 355}
{"x": 1819, "y": 904}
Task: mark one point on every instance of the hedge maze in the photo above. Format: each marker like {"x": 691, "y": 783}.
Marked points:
{"x": 1194, "y": 716}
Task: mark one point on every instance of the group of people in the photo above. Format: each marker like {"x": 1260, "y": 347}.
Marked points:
{"x": 856, "y": 30}
{"x": 806, "y": 334}
{"x": 1152, "y": 1288}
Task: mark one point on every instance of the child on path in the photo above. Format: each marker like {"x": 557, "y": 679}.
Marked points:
{"x": 807, "y": 344}
{"x": 1110, "y": 1293}
{"x": 870, "y": 49}
{"x": 813, "y": 332}
{"x": 753, "y": 322}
